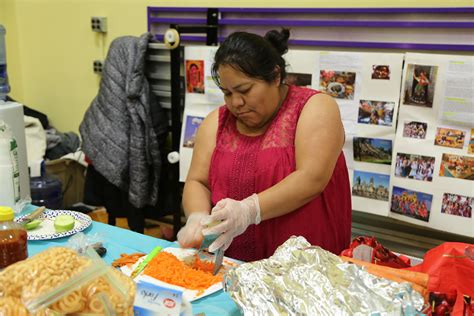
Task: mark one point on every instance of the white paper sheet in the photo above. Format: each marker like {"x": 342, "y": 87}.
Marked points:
{"x": 368, "y": 111}
{"x": 424, "y": 132}
{"x": 458, "y": 102}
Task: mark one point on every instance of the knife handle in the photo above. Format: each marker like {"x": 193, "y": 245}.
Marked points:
{"x": 144, "y": 263}
{"x": 36, "y": 213}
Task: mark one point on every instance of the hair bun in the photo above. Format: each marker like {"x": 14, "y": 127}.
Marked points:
{"x": 279, "y": 40}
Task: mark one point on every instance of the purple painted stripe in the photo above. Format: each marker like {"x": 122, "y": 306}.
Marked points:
{"x": 446, "y": 47}
{"x": 341, "y": 23}
{"x": 320, "y": 10}
{"x": 177, "y": 20}
{"x": 190, "y": 38}
{"x": 176, "y": 9}
{"x": 441, "y": 47}
{"x": 349, "y": 10}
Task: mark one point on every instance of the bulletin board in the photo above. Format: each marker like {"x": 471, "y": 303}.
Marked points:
{"x": 391, "y": 115}
{"x": 432, "y": 170}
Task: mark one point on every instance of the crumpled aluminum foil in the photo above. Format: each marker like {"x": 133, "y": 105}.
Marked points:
{"x": 300, "y": 279}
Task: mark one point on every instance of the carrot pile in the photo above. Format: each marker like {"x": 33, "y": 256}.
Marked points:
{"x": 198, "y": 264}
{"x": 418, "y": 280}
{"x": 167, "y": 268}
{"x": 127, "y": 260}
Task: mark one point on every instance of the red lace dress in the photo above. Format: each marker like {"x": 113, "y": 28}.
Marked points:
{"x": 242, "y": 165}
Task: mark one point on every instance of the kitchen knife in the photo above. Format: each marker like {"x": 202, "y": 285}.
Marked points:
{"x": 218, "y": 261}
{"x": 32, "y": 216}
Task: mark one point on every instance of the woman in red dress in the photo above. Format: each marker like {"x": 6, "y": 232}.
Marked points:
{"x": 268, "y": 164}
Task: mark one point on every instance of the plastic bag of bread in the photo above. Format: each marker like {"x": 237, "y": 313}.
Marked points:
{"x": 59, "y": 281}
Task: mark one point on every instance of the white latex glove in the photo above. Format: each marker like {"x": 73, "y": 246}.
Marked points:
{"x": 190, "y": 236}
{"x": 234, "y": 217}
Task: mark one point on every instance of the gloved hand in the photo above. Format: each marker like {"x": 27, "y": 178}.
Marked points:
{"x": 191, "y": 234}
{"x": 233, "y": 217}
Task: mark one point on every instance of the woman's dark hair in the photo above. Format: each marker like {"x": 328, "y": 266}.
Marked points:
{"x": 254, "y": 55}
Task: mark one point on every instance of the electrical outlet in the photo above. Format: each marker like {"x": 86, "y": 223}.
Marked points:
{"x": 99, "y": 24}
{"x": 98, "y": 66}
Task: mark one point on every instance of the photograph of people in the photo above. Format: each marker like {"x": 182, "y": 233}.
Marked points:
{"x": 268, "y": 164}
{"x": 449, "y": 137}
{"x": 420, "y": 84}
{"x": 414, "y": 167}
{"x": 195, "y": 76}
{"x": 381, "y": 72}
{"x": 415, "y": 129}
{"x": 411, "y": 203}
{"x": 338, "y": 84}
{"x": 458, "y": 205}
{"x": 375, "y": 112}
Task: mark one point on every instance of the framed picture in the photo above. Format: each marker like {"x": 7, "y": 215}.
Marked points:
{"x": 415, "y": 129}
{"x": 375, "y": 112}
{"x": 372, "y": 150}
{"x": 420, "y": 84}
{"x": 411, "y": 203}
{"x": 338, "y": 84}
{"x": 415, "y": 167}
{"x": 298, "y": 79}
{"x": 370, "y": 185}
{"x": 455, "y": 166}
{"x": 448, "y": 137}
{"x": 195, "y": 76}
{"x": 459, "y": 205}
{"x": 190, "y": 130}
{"x": 381, "y": 72}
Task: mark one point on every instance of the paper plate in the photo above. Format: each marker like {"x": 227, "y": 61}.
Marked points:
{"x": 184, "y": 255}
{"x": 46, "y": 229}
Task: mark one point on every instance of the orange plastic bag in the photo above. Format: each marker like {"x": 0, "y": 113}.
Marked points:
{"x": 451, "y": 270}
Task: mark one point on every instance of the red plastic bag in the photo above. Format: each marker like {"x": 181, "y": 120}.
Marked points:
{"x": 370, "y": 250}
{"x": 451, "y": 270}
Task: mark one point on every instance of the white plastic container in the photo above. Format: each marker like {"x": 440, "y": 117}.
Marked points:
{"x": 9, "y": 173}
{"x": 12, "y": 114}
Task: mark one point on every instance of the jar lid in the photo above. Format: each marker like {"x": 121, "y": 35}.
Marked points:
{"x": 6, "y": 213}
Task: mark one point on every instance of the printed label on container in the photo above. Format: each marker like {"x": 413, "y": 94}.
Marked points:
{"x": 152, "y": 299}
{"x": 16, "y": 170}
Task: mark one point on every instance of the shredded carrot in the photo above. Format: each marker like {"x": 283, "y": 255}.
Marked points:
{"x": 198, "y": 264}
{"x": 167, "y": 268}
{"x": 127, "y": 259}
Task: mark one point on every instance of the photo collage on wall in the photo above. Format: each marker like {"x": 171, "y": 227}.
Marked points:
{"x": 433, "y": 161}
{"x": 366, "y": 89}
{"x": 409, "y": 151}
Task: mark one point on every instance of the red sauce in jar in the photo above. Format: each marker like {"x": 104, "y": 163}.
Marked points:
{"x": 13, "y": 246}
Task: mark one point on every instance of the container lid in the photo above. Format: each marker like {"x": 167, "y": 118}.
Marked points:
{"x": 6, "y": 214}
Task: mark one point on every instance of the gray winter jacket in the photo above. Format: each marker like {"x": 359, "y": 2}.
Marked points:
{"x": 118, "y": 133}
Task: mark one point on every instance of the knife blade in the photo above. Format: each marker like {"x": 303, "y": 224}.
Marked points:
{"x": 206, "y": 242}
{"x": 144, "y": 263}
{"x": 218, "y": 261}
{"x": 32, "y": 216}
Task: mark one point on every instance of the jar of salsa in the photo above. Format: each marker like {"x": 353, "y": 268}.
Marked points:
{"x": 13, "y": 239}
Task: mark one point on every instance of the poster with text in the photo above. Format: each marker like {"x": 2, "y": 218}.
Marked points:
{"x": 432, "y": 176}
{"x": 366, "y": 87}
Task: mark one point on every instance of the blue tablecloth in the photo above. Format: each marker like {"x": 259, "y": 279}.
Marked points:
{"x": 118, "y": 240}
